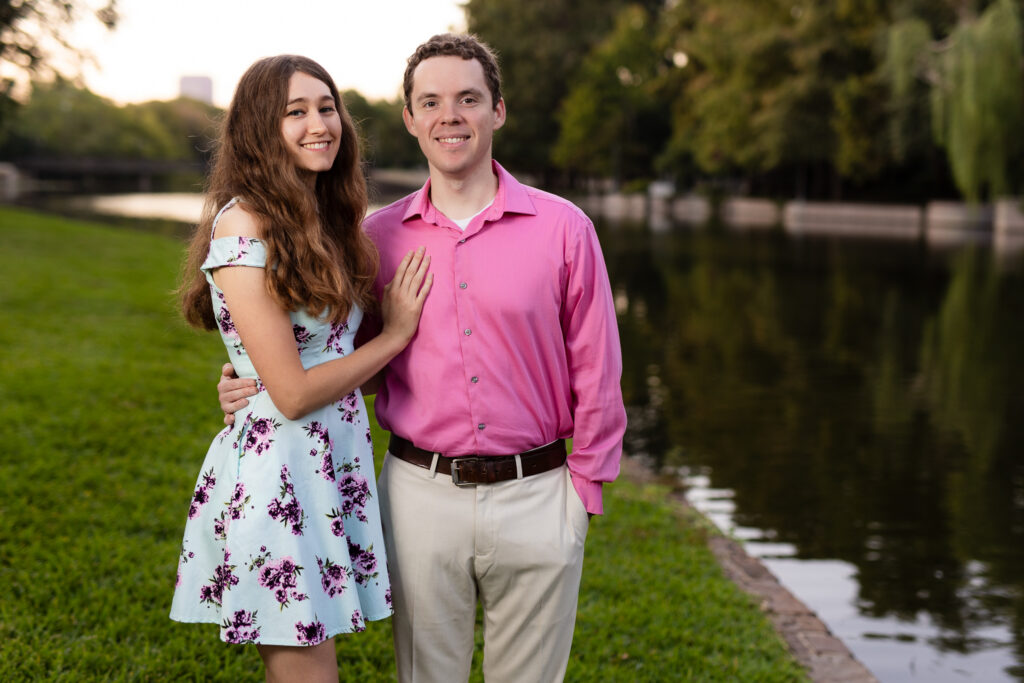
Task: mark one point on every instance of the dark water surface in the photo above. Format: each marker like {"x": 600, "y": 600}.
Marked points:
{"x": 855, "y": 412}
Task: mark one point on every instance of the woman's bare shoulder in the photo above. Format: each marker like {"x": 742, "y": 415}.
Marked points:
{"x": 238, "y": 221}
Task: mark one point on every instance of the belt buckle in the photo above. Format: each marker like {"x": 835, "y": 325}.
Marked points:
{"x": 456, "y": 476}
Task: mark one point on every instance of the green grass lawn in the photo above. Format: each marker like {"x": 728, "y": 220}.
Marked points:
{"x": 107, "y": 405}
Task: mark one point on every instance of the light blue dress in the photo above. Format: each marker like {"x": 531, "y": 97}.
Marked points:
{"x": 283, "y": 542}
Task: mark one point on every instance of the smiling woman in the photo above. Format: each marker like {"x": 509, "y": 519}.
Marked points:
{"x": 281, "y": 268}
{"x": 311, "y": 127}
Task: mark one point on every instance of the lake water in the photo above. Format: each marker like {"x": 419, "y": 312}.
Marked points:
{"x": 853, "y": 411}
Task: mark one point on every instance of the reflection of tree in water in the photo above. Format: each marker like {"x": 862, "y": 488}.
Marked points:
{"x": 859, "y": 400}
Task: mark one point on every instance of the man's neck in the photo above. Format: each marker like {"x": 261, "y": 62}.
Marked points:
{"x": 459, "y": 198}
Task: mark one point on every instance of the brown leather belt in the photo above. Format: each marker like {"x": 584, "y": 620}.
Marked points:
{"x": 467, "y": 470}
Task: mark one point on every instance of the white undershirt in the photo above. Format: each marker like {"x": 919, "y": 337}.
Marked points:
{"x": 463, "y": 223}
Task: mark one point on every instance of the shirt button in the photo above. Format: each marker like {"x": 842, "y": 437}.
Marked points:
{"x": 474, "y": 379}
{"x": 468, "y": 331}
{"x": 462, "y": 241}
{"x": 481, "y": 426}
{"x": 463, "y": 285}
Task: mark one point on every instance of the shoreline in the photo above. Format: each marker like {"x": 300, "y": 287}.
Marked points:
{"x": 825, "y": 657}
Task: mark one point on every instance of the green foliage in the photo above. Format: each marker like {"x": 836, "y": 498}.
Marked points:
{"x": 975, "y": 76}
{"x": 611, "y": 121}
{"x": 31, "y": 29}
{"x": 63, "y": 120}
{"x": 540, "y": 46}
{"x": 774, "y": 84}
{"x": 385, "y": 141}
{"x": 192, "y": 125}
{"x": 106, "y": 406}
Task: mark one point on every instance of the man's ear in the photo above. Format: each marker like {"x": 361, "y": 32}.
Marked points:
{"x": 499, "y": 114}
{"x": 410, "y": 122}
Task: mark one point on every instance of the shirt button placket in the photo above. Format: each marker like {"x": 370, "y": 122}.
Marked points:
{"x": 467, "y": 332}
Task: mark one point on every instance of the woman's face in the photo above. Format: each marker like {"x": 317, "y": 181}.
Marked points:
{"x": 311, "y": 125}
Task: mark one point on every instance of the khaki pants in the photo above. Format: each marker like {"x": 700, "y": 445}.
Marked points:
{"x": 517, "y": 546}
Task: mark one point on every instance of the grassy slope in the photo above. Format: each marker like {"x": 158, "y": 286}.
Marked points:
{"x": 106, "y": 407}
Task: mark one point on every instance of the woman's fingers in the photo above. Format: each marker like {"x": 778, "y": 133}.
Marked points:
{"x": 411, "y": 270}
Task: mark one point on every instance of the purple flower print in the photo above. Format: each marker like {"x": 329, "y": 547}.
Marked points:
{"x": 281, "y": 578}
{"x": 235, "y": 510}
{"x": 369, "y": 438}
{"x": 225, "y": 323}
{"x": 349, "y": 407}
{"x": 364, "y": 563}
{"x": 201, "y": 496}
{"x": 223, "y": 579}
{"x": 387, "y": 597}
{"x": 183, "y": 557}
{"x": 357, "y": 621}
{"x": 317, "y": 431}
{"x": 236, "y": 505}
{"x": 241, "y": 628}
{"x": 302, "y": 336}
{"x": 355, "y": 493}
{"x": 258, "y": 436}
{"x": 310, "y": 634}
{"x": 333, "y": 577}
{"x": 287, "y": 509}
{"x": 337, "y": 522}
{"x": 243, "y": 249}
{"x": 334, "y": 338}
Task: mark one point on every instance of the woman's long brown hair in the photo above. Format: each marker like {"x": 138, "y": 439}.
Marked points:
{"x": 318, "y": 257}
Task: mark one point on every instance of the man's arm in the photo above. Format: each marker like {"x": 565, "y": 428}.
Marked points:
{"x": 233, "y": 392}
{"x": 595, "y": 369}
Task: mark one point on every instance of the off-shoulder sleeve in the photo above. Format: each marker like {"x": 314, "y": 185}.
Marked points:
{"x": 235, "y": 251}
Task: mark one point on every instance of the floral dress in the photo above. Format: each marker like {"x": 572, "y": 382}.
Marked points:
{"x": 283, "y": 542}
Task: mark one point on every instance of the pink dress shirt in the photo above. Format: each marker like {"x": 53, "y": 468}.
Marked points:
{"x": 518, "y": 343}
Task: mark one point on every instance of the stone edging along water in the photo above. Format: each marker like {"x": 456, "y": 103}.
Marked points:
{"x": 825, "y": 657}
{"x": 939, "y": 223}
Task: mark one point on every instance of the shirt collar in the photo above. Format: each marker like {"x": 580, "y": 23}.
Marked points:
{"x": 512, "y": 197}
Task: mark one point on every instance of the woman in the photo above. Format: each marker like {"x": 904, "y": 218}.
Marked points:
{"x": 283, "y": 544}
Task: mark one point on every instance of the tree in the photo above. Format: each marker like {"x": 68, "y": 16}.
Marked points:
{"x": 774, "y": 85}
{"x": 29, "y": 31}
{"x": 975, "y": 76}
{"x": 28, "y": 28}
{"x": 540, "y": 46}
{"x": 65, "y": 121}
{"x": 612, "y": 122}
{"x": 385, "y": 141}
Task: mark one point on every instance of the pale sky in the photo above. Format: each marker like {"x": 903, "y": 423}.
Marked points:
{"x": 362, "y": 44}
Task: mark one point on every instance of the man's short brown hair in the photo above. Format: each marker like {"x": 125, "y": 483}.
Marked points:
{"x": 466, "y": 46}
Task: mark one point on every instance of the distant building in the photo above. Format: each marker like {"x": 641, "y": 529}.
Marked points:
{"x": 197, "y": 87}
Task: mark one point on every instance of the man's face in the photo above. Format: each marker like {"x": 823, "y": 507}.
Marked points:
{"x": 452, "y": 116}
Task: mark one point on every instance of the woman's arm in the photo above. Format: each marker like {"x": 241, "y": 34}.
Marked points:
{"x": 266, "y": 330}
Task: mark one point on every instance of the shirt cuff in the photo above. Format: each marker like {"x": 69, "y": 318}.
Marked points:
{"x": 590, "y": 493}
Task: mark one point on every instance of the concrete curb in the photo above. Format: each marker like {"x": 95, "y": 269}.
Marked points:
{"x": 825, "y": 657}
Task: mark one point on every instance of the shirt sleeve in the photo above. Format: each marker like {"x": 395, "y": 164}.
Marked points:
{"x": 595, "y": 368}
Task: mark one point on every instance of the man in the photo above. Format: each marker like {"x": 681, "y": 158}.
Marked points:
{"x": 517, "y": 350}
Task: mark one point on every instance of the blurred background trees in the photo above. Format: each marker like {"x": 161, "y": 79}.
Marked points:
{"x": 893, "y": 100}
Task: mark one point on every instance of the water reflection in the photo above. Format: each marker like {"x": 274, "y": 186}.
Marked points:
{"x": 862, "y": 404}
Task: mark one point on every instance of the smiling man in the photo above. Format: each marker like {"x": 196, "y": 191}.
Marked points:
{"x": 517, "y": 350}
